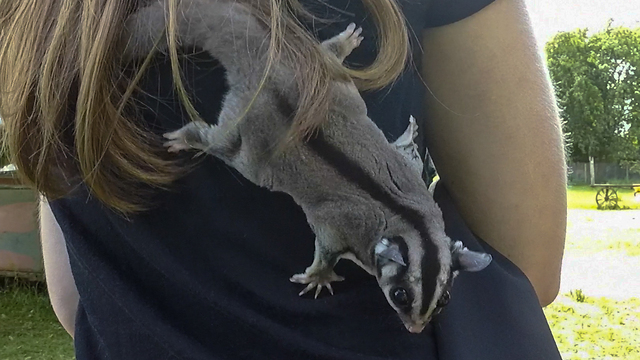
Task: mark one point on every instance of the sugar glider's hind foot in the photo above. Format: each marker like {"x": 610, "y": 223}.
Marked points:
{"x": 316, "y": 280}
{"x": 342, "y": 44}
{"x": 175, "y": 143}
{"x": 406, "y": 145}
{"x": 216, "y": 140}
{"x": 406, "y": 140}
{"x": 193, "y": 135}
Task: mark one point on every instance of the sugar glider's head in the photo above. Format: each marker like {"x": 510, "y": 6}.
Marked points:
{"x": 416, "y": 274}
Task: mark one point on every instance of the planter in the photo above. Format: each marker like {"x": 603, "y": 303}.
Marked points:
{"x": 20, "y": 250}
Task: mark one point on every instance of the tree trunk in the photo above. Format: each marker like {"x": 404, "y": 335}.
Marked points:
{"x": 628, "y": 173}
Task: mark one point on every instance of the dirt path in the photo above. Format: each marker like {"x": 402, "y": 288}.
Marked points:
{"x": 608, "y": 273}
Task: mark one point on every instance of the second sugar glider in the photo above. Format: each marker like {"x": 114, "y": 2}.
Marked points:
{"x": 363, "y": 197}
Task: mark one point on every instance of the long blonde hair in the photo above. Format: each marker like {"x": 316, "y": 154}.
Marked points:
{"x": 66, "y": 102}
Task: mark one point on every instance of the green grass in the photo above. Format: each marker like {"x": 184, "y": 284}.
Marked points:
{"x": 584, "y": 197}
{"x": 28, "y": 326}
{"x": 595, "y": 328}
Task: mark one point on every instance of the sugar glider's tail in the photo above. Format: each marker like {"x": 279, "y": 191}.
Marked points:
{"x": 224, "y": 28}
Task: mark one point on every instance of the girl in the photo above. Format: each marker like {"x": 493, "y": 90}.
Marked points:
{"x": 146, "y": 260}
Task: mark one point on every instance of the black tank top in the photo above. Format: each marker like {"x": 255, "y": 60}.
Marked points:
{"x": 205, "y": 274}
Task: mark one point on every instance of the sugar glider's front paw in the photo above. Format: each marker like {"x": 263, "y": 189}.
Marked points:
{"x": 407, "y": 147}
{"x": 316, "y": 280}
{"x": 350, "y": 38}
{"x": 342, "y": 44}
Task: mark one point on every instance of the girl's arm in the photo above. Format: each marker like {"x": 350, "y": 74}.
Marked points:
{"x": 495, "y": 136}
{"x": 60, "y": 283}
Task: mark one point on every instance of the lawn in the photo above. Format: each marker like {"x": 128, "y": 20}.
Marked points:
{"x": 595, "y": 328}
{"x": 584, "y": 197}
{"x": 590, "y": 232}
{"x": 594, "y": 231}
{"x": 28, "y": 326}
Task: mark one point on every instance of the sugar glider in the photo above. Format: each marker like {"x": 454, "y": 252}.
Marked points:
{"x": 363, "y": 197}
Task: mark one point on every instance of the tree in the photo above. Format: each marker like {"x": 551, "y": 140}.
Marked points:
{"x": 598, "y": 89}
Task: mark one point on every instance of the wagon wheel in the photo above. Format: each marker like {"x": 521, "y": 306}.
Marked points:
{"x": 607, "y": 198}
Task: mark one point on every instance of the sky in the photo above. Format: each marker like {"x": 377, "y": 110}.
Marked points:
{"x": 551, "y": 16}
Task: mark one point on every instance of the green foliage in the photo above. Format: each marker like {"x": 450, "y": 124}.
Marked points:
{"x": 597, "y": 85}
{"x": 634, "y": 166}
{"x": 578, "y": 295}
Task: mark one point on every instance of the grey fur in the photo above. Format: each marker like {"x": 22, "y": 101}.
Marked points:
{"x": 347, "y": 220}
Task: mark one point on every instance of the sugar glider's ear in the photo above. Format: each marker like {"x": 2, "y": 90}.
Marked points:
{"x": 464, "y": 259}
{"x": 386, "y": 250}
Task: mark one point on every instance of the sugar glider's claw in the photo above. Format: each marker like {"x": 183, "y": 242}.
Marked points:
{"x": 351, "y": 37}
{"x": 330, "y": 288}
{"x": 316, "y": 281}
{"x": 176, "y": 146}
{"x": 318, "y": 289}
{"x": 307, "y": 289}
{"x": 176, "y": 141}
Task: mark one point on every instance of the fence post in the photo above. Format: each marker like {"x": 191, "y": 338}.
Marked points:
{"x": 592, "y": 167}
{"x": 586, "y": 174}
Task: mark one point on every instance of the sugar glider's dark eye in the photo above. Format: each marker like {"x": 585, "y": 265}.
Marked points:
{"x": 444, "y": 299}
{"x": 400, "y": 297}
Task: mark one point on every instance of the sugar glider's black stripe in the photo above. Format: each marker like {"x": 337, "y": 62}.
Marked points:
{"x": 355, "y": 174}
{"x": 352, "y": 171}
{"x": 283, "y": 105}
{"x": 430, "y": 269}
